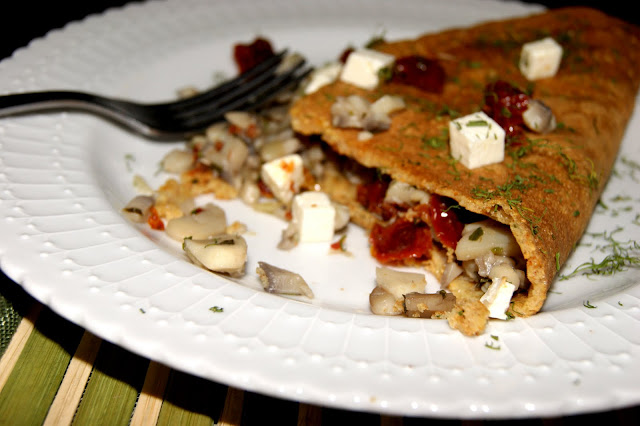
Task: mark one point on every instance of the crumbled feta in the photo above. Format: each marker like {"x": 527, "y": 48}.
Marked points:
{"x": 313, "y": 216}
{"x": 476, "y": 140}
{"x": 283, "y": 176}
{"x": 323, "y": 76}
{"x": 362, "y": 67}
{"x": 540, "y": 58}
{"x": 498, "y": 297}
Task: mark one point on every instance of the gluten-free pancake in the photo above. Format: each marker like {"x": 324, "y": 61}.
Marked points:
{"x": 547, "y": 187}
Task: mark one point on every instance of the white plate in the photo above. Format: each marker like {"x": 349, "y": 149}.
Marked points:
{"x": 65, "y": 176}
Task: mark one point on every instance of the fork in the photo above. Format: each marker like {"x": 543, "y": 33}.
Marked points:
{"x": 180, "y": 118}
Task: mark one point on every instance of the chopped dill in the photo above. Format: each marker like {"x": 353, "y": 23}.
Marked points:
{"x": 477, "y": 234}
{"x": 128, "y": 159}
{"x": 493, "y": 345}
{"x": 621, "y": 256}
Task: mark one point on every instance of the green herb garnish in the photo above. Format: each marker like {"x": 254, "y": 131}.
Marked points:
{"x": 477, "y": 123}
{"x": 219, "y": 242}
{"x": 477, "y": 234}
{"x": 622, "y": 255}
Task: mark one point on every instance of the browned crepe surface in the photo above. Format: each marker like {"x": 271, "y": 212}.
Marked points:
{"x": 546, "y": 189}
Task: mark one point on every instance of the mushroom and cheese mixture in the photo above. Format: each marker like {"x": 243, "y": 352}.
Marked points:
{"x": 256, "y": 157}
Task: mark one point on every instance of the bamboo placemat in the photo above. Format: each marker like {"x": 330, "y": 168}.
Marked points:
{"x": 53, "y": 372}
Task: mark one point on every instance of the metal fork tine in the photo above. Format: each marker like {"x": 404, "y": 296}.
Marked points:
{"x": 243, "y": 93}
{"x": 251, "y": 101}
{"x": 263, "y": 69}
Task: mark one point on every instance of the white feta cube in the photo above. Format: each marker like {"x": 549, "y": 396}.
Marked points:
{"x": 476, "y": 140}
{"x": 362, "y": 67}
{"x": 498, "y": 297}
{"x": 313, "y": 217}
{"x": 540, "y": 58}
{"x": 323, "y": 76}
{"x": 283, "y": 176}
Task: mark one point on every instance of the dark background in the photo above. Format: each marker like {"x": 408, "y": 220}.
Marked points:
{"x": 29, "y": 19}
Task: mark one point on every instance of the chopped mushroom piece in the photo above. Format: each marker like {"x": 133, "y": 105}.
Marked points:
{"x": 538, "y": 117}
{"x": 388, "y": 296}
{"x": 177, "y": 161}
{"x": 426, "y": 305}
{"x": 242, "y": 119}
{"x": 280, "y": 281}
{"x": 137, "y": 210}
{"x": 400, "y": 283}
{"x": 384, "y": 303}
{"x": 279, "y": 148}
{"x": 479, "y": 238}
{"x": 201, "y": 223}
{"x": 227, "y": 152}
{"x": 451, "y": 271}
{"x": 222, "y": 253}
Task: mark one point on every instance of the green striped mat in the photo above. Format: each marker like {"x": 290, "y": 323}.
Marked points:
{"x": 53, "y": 372}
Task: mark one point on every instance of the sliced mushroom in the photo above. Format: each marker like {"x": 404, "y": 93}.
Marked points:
{"x": 479, "y": 238}
{"x": 508, "y": 272}
{"x": 137, "y": 210}
{"x": 384, "y": 303}
{"x": 488, "y": 261}
{"x": 399, "y": 283}
{"x": 279, "y": 148}
{"x": 538, "y": 117}
{"x": 227, "y": 152}
{"x": 451, "y": 271}
{"x": 201, "y": 223}
{"x": 280, "y": 281}
{"x": 242, "y": 119}
{"x": 426, "y": 305}
{"x": 177, "y": 161}
{"x": 223, "y": 253}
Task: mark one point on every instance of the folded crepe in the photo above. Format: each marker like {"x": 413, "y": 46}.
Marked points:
{"x": 546, "y": 188}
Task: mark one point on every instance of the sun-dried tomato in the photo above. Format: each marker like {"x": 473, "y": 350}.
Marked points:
{"x": 154, "y": 220}
{"x": 399, "y": 241}
{"x": 371, "y": 196}
{"x": 418, "y": 71}
{"x": 444, "y": 221}
{"x": 249, "y": 55}
{"x": 264, "y": 189}
{"x": 505, "y": 103}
